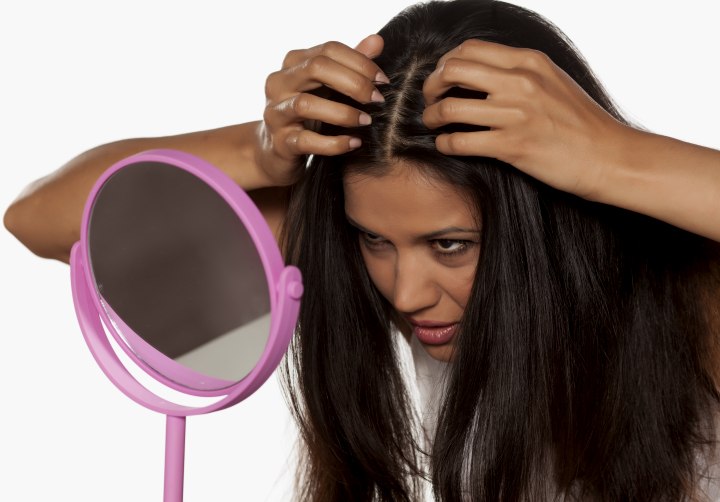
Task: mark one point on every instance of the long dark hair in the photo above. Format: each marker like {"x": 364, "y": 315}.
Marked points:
{"x": 583, "y": 363}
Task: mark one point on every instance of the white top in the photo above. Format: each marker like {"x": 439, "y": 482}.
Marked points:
{"x": 424, "y": 379}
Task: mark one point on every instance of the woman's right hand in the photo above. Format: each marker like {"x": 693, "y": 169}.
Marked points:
{"x": 283, "y": 135}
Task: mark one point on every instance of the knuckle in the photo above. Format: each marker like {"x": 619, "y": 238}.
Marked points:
{"x": 293, "y": 142}
{"x": 529, "y": 83}
{"x": 453, "y": 66}
{"x": 446, "y": 109}
{"x": 361, "y": 86}
{"x": 317, "y": 65}
{"x": 271, "y": 83}
{"x": 534, "y": 59}
{"x": 290, "y": 57}
{"x": 303, "y": 141}
{"x": 369, "y": 68}
{"x": 301, "y": 104}
{"x": 468, "y": 45}
{"x": 330, "y": 47}
{"x": 456, "y": 142}
{"x": 521, "y": 115}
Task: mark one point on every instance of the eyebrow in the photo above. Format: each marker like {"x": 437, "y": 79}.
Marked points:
{"x": 432, "y": 235}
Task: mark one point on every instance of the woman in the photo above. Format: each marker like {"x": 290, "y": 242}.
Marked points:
{"x": 583, "y": 360}
{"x": 581, "y": 350}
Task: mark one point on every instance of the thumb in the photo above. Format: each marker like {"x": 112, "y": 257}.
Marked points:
{"x": 371, "y": 46}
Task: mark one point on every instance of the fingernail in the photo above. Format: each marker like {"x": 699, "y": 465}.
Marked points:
{"x": 377, "y": 97}
{"x": 364, "y": 119}
{"x": 355, "y": 143}
{"x": 381, "y": 77}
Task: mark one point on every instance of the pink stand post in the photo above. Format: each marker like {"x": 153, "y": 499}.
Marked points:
{"x": 174, "y": 458}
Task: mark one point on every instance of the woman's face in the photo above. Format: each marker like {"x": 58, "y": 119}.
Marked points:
{"x": 420, "y": 243}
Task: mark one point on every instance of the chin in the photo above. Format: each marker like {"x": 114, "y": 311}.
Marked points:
{"x": 442, "y": 353}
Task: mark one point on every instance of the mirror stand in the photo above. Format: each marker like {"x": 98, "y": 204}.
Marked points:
{"x": 174, "y": 458}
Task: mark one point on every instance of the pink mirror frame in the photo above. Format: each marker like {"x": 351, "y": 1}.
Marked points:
{"x": 284, "y": 284}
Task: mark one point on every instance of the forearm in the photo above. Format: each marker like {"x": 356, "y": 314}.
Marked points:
{"x": 668, "y": 179}
{"x": 46, "y": 215}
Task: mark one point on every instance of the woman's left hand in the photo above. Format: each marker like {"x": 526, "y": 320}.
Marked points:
{"x": 541, "y": 121}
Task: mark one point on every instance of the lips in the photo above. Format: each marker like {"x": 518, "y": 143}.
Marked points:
{"x": 434, "y": 332}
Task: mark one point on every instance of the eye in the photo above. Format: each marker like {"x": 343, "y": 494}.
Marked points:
{"x": 451, "y": 247}
{"x": 372, "y": 240}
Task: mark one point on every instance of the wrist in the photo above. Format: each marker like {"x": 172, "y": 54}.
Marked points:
{"x": 623, "y": 168}
{"x": 247, "y": 170}
{"x": 664, "y": 178}
{"x": 266, "y": 164}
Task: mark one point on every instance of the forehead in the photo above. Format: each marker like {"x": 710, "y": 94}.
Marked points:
{"x": 405, "y": 199}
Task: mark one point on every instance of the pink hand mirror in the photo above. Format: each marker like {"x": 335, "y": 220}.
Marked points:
{"x": 177, "y": 264}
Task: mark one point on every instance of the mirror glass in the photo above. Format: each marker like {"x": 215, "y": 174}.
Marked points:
{"x": 178, "y": 273}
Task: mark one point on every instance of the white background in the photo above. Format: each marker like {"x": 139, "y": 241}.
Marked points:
{"x": 75, "y": 74}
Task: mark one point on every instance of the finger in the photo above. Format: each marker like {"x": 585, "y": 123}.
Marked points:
{"x": 337, "y": 51}
{"x": 305, "y": 142}
{"x": 371, "y": 46}
{"x": 479, "y": 112}
{"x": 302, "y": 107}
{"x": 493, "y": 54}
{"x": 466, "y": 74}
{"x": 321, "y": 71}
{"x": 481, "y": 144}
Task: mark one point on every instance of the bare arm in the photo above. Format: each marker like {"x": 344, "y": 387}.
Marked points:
{"x": 668, "y": 179}
{"x": 543, "y": 123}
{"x": 46, "y": 216}
{"x": 262, "y": 157}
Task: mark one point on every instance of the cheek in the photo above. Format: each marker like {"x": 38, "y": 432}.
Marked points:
{"x": 461, "y": 284}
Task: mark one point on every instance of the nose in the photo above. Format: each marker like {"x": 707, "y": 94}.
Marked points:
{"x": 415, "y": 290}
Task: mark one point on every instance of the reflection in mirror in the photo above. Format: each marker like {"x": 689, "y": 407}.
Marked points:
{"x": 177, "y": 268}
